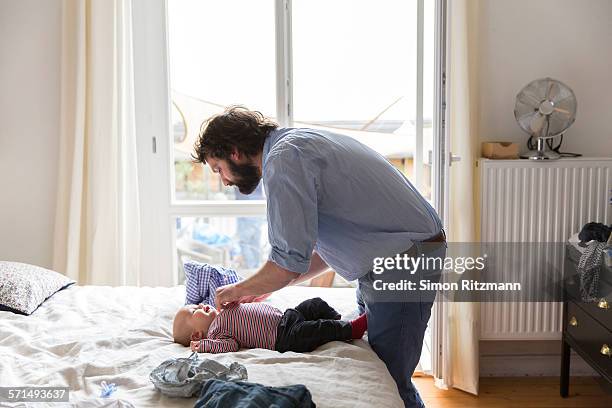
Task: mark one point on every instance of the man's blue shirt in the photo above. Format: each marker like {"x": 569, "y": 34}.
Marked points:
{"x": 331, "y": 193}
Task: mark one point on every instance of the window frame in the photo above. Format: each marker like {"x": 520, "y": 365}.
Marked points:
{"x": 153, "y": 125}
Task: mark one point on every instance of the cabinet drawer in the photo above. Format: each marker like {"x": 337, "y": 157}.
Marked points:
{"x": 601, "y": 310}
{"x": 591, "y": 337}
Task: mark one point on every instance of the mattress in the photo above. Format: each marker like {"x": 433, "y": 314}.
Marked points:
{"x": 84, "y": 335}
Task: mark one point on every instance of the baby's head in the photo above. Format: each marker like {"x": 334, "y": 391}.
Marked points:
{"x": 191, "y": 322}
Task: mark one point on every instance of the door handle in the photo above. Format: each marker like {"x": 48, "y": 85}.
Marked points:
{"x": 453, "y": 158}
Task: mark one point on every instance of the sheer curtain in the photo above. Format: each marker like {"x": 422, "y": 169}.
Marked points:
{"x": 97, "y": 227}
{"x": 460, "y": 352}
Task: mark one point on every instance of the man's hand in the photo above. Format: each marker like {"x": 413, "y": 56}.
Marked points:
{"x": 231, "y": 295}
{"x": 228, "y": 296}
{"x": 269, "y": 278}
{"x": 261, "y": 298}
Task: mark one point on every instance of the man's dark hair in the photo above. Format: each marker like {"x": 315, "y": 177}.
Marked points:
{"x": 238, "y": 128}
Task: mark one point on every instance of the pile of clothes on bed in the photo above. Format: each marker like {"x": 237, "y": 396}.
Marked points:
{"x": 217, "y": 385}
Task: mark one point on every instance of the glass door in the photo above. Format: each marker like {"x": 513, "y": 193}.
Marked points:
{"x": 366, "y": 69}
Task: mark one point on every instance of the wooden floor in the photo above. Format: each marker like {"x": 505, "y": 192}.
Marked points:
{"x": 518, "y": 392}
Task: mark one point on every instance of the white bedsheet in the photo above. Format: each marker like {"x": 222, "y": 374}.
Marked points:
{"x": 84, "y": 335}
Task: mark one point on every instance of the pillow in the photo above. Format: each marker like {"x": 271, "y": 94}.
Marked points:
{"x": 24, "y": 287}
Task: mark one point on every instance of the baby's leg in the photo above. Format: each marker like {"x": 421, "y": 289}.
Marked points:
{"x": 308, "y": 335}
{"x": 317, "y": 308}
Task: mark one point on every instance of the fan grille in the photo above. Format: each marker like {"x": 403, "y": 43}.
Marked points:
{"x": 545, "y": 108}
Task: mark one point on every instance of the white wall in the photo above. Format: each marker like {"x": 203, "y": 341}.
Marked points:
{"x": 30, "y": 38}
{"x": 569, "y": 40}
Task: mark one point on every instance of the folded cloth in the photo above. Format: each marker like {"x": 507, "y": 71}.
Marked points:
{"x": 222, "y": 394}
{"x": 184, "y": 377}
{"x": 594, "y": 231}
{"x": 589, "y": 267}
{"x": 202, "y": 280}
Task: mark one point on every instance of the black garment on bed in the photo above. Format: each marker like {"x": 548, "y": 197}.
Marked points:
{"x": 223, "y": 394}
{"x": 311, "y": 324}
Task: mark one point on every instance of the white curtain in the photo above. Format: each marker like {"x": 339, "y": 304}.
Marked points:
{"x": 97, "y": 229}
{"x": 460, "y": 352}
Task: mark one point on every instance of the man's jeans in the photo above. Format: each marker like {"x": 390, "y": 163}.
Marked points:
{"x": 396, "y": 328}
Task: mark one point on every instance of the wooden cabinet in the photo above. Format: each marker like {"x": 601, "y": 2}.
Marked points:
{"x": 587, "y": 326}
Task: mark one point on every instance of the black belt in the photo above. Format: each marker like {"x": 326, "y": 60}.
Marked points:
{"x": 439, "y": 237}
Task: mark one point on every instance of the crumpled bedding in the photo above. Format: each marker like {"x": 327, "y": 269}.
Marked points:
{"x": 84, "y": 335}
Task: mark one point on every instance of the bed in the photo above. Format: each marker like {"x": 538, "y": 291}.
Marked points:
{"x": 84, "y": 335}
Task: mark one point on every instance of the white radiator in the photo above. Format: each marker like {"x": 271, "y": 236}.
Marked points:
{"x": 529, "y": 201}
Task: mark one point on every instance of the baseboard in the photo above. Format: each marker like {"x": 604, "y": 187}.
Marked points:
{"x": 527, "y": 358}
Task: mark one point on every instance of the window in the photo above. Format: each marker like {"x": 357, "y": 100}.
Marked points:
{"x": 220, "y": 53}
{"x": 358, "y": 73}
{"x": 364, "y": 68}
{"x": 360, "y": 67}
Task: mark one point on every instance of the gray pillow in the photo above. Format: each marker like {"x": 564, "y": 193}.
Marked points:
{"x": 24, "y": 287}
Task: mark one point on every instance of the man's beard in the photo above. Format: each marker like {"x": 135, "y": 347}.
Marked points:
{"x": 247, "y": 176}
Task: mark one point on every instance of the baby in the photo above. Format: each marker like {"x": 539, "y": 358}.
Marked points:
{"x": 259, "y": 325}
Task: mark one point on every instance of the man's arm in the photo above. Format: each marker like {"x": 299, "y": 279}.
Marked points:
{"x": 269, "y": 278}
{"x": 317, "y": 267}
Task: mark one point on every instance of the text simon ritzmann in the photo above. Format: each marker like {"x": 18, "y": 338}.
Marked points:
{"x": 426, "y": 284}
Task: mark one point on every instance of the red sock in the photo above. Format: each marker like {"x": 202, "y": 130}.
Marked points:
{"x": 359, "y": 326}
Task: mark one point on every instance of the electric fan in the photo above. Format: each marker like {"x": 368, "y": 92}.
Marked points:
{"x": 544, "y": 109}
